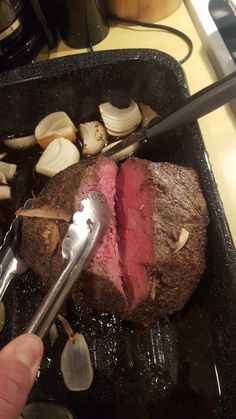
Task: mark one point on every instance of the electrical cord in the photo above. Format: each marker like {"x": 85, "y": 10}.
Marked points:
{"x": 157, "y": 26}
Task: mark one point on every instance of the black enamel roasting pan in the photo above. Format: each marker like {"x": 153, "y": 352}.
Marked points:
{"x": 185, "y": 366}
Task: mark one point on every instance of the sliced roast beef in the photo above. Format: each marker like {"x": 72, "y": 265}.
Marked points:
{"x": 101, "y": 284}
{"x": 137, "y": 271}
{"x": 155, "y": 201}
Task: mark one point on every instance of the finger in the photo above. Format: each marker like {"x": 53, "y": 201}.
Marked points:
{"x": 19, "y": 363}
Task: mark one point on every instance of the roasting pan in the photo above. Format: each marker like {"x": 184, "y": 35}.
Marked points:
{"x": 184, "y": 366}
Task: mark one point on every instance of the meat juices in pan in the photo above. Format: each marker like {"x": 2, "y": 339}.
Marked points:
{"x": 136, "y": 272}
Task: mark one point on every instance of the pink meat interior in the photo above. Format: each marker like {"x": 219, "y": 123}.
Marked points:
{"x": 135, "y": 229}
{"x": 107, "y": 254}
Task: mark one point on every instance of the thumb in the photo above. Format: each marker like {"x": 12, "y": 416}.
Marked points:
{"x": 19, "y": 363}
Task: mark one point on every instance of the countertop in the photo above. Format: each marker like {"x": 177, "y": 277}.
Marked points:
{"x": 219, "y": 127}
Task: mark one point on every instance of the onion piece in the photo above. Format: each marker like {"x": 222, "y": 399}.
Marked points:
{"x": 76, "y": 366}
{"x": 8, "y": 169}
{"x": 54, "y": 125}
{"x": 123, "y": 154}
{"x": 59, "y": 155}
{"x": 44, "y": 212}
{"x": 147, "y": 114}
{"x": 120, "y": 122}
{"x": 21, "y": 142}
{"x": 5, "y": 192}
{"x": 94, "y": 136}
{"x": 2, "y": 316}
{"x": 2, "y": 155}
{"x": 183, "y": 237}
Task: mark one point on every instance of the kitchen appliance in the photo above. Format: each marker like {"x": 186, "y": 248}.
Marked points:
{"x": 21, "y": 37}
{"x": 25, "y": 28}
{"x": 215, "y": 21}
{"x": 181, "y": 367}
{"x": 82, "y": 23}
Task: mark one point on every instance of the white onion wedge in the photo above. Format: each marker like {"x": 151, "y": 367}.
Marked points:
{"x": 123, "y": 154}
{"x": 147, "y": 113}
{"x": 59, "y": 155}
{"x": 8, "y": 169}
{"x": 76, "y": 366}
{"x": 54, "y": 125}
{"x": 94, "y": 136}
{"x": 5, "y": 192}
{"x": 21, "y": 142}
{"x": 120, "y": 122}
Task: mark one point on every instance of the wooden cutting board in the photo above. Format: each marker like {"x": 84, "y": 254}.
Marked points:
{"x": 145, "y": 10}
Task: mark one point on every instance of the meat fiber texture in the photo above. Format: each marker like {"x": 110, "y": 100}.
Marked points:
{"x": 136, "y": 271}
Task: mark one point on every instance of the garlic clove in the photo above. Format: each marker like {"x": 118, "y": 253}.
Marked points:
{"x": 59, "y": 155}
{"x": 76, "y": 366}
{"x": 120, "y": 122}
{"x": 94, "y": 136}
{"x": 21, "y": 142}
{"x": 123, "y": 154}
{"x": 54, "y": 125}
{"x": 147, "y": 114}
{"x": 8, "y": 169}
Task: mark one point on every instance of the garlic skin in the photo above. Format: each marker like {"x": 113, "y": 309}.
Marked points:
{"x": 94, "y": 136}
{"x": 123, "y": 154}
{"x": 76, "y": 366}
{"x": 2, "y": 316}
{"x": 120, "y": 122}
{"x": 21, "y": 142}
{"x": 182, "y": 240}
{"x": 147, "y": 114}
{"x": 54, "y": 125}
{"x": 59, "y": 155}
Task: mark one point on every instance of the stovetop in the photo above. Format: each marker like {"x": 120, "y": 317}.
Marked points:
{"x": 215, "y": 21}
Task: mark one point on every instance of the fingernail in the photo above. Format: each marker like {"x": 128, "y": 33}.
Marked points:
{"x": 29, "y": 351}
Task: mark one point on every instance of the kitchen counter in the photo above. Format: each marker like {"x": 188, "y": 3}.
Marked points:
{"x": 219, "y": 127}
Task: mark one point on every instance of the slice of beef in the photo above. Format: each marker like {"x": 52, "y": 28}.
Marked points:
{"x": 100, "y": 286}
{"x": 154, "y": 202}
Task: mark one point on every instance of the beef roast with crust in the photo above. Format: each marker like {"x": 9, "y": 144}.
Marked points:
{"x": 154, "y": 202}
{"x": 136, "y": 272}
{"x": 100, "y": 285}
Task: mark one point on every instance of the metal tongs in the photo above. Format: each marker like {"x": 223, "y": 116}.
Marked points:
{"x": 89, "y": 225}
{"x": 10, "y": 262}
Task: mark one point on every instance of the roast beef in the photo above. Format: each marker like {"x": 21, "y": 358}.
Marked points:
{"x": 136, "y": 272}
{"x": 155, "y": 201}
{"x": 101, "y": 284}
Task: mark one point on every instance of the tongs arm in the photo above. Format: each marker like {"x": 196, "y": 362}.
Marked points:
{"x": 84, "y": 234}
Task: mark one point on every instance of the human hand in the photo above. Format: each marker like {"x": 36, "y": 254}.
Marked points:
{"x": 19, "y": 363}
